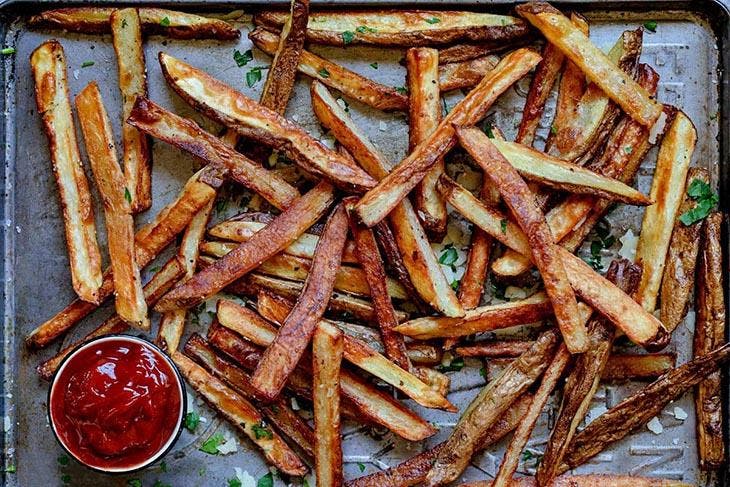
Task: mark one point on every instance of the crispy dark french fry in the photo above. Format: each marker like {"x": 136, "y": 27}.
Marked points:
{"x": 381, "y": 200}
{"x": 520, "y": 200}
{"x": 179, "y": 25}
{"x": 185, "y": 134}
{"x": 577, "y": 47}
{"x": 639, "y": 408}
{"x": 413, "y": 471}
{"x": 679, "y": 272}
{"x": 593, "y": 480}
{"x": 402, "y": 28}
{"x": 623, "y": 367}
{"x": 48, "y": 64}
{"x": 710, "y": 334}
{"x": 667, "y": 192}
{"x": 418, "y": 257}
{"x": 272, "y": 239}
{"x": 492, "y": 401}
{"x": 160, "y": 283}
{"x": 96, "y": 128}
{"x": 351, "y": 84}
{"x": 470, "y": 50}
{"x": 281, "y": 357}
{"x": 326, "y": 360}
{"x": 424, "y": 115}
{"x": 241, "y": 414}
{"x": 494, "y": 349}
{"x": 250, "y": 119}
{"x": 126, "y": 30}
{"x": 465, "y": 74}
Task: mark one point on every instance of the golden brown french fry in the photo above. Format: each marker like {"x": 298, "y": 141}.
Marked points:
{"x": 126, "y": 30}
{"x": 679, "y": 273}
{"x": 437, "y": 381}
{"x": 465, "y": 74}
{"x": 179, "y": 25}
{"x": 129, "y": 299}
{"x": 241, "y": 414}
{"x": 349, "y": 83}
{"x": 402, "y": 28}
{"x": 326, "y": 360}
{"x": 470, "y": 50}
{"x": 494, "y": 349}
{"x": 594, "y": 480}
{"x": 577, "y": 47}
{"x": 667, "y": 191}
{"x": 48, "y": 64}
{"x": 250, "y": 119}
{"x": 710, "y": 334}
{"x": 271, "y": 240}
{"x": 418, "y": 257}
{"x": 623, "y": 367}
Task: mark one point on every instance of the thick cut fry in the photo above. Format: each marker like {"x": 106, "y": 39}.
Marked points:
{"x": 137, "y": 159}
{"x": 238, "y": 112}
{"x": 349, "y": 83}
{"x": 326, "y": 360}
{"x": 639, "y": 408}
{"x": 48, "y": 64}
{"x": 470, "y": 50}
{"x": 679, "y": 273}
{"x": 272, "y": 239}
{"x": 465, "y": 74}
{"x": 402, "y": 28}
{"x": 380, "y": 201}
{"x": 494, "y": 349}
{"x": 185, "y": 134}
{"x": 179, "y": 25}
{"x": 623, "y": 367}
{"x": 241, "y": 414}
{"x": 486, "y": 408}
{"x": 577, "y": 47}
{"x": 710, "y": 334}
{"x": 418, "y": 257}
{"x": 282, "y": 355}
{"x": 424, "y": 115}
{"x": 129, "y": 299}
{"x": 520, "y": 200}
{"x": 667, "y": 191}
{"x": 596, "y": 480}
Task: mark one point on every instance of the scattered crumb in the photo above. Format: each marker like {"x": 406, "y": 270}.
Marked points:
{"x": 628, "y": 247}
{"x": 680, "y": 413}
{"x": 655, "y": 426}
{"x": 383, "y": 126}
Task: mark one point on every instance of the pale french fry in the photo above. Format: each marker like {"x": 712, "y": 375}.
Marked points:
{"x": 48, "y": 64}
{"x": 594, "y": 480}
{"x": 667, "y": 191}
{"x": 464, "y": 74}
{"x": 380, "y": 201}
{"x": 250, "y": 119}
{"x": 402, "y": 28}
{"x": 179, "y": 25}
{"x": 241, "y": 414}
{"x": 437, "y": 381}
{"x": 337, "y": 77}
{"x": 126, "y": 30}
{"x": 577, "y": 47}
{"x": 326, "y": 359}
{"x": 129, "y": 299}
{"x": 710, "y": 334}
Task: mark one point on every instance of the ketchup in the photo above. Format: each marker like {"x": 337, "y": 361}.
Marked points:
{"x": 116, "y": 403}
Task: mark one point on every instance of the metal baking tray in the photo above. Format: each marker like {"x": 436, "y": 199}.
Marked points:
{"x": 690, "y": 50}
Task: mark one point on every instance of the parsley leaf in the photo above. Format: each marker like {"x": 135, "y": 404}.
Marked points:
{"x": 261, "y": 431}
{"x": 63, "y": 460}
{"x": 86, "y": 64}
{"x": 433, "y": 20}
{"x": 487, "y": 128}
{"x": 134, "y": 483}
{"x": 253, "y": 76}
{"x": 191, "y": 421}
{"x": 266, "y": 481}
{"x": 706, "y": 200}
{"x": 11, "y": 469}
{"x": 66, "y": 478}
{"x": 361, "y": 466}
{"x": 127, "y": 195}
{"x": 7, "y": 51}
{"x": 650, "y": 25}
{"x": 210, "y": 446}
{"x": 628, "y": 149}
{"x": 401, "y": 89}
{"x": 362, "y": 29}
{"x": 455, "y": 285}
{"x": 449, "y": 256}
{"x": 234, "y": 482}
{"x": 374, "y": 65}
{"x": 324, "y": 73}
{"x": 163, "y": 466}
{"x": 503, "y": 226}
{"x": 165, "y": 22}
{"x": 124, "y": 23}
{"x": 348, "y": 36}
{"x": 242, "y": 58}
{"x": 553, "y": 130}
{"x": 456, "y": 365}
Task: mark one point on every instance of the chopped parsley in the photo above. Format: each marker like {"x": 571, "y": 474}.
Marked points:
{"x": 66, "y": 478}
{"x": 348, "y": 36}
{"x": 261, "y": 431}
{"x": 154, "y": 268}
{"x": 7, "y": 51}
{"x": 124, "y": 23}
{"x": 553, "y": 130}
{"x": 242, "y": 58}
{"x": 165, "y": 22}
{"x": 628, "y": 149}
{"x": 503, "y": 225}
{"x": 483, "y": 371}
{"x": 86, "y": 64}
{"x": 210, "y": 446}
{"x": 343, "y": 103}
{"x": 305, "y": 483}
{"x": 266, "y": 481}
{"x": 449, "y": 256}
{"x": 456, "y": 365}
{"x": 363, "y": 29}
{"x": 158, "y": 483}
{"x": 650, "y": 25}
{"x": 498, "y": 290}
{"x": 253, "y": 76}
{"x": 234, "y": 482}
{"x": 63, "y": 460}
{"x": 192, "y": 419}
{"x": 455, "y": 285}
{"x": 487, "y": 128}
{"x": 134, "y": 483}
{"x": 324, "y": 73}
{"x": 11, "y": 469}
{"x": 361, "y": 466}
{"x": 374, "y": 65}
{"x": 706, "y": 200}
{"x": 401, "y": 89}
{"x": 527, "y": 456}
{"x": 127, "y": 195}
{"x": 433, "y": 20}
{"x": 163, "y": 466}
{"x": 605, "y": 240}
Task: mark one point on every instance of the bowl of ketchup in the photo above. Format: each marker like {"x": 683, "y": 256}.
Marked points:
{"x": 116, "y": 404}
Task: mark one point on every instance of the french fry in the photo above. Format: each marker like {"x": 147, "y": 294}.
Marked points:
{"x": 403, "y": 28}
{"x": 48, "y": 64}
{"x": 272, "y": 239}
{"x": 464, "y": 74}
{"x": 639, "y": 408}
{"x": 241, "y": 414}
{"x": 472, "y": 50}
{"x": 577, "y": 47}
{"x": 492, "y": 401}
{"x": 380, "y": 201}
{"x": 418, "y": 257}
{"x": 185, "y": 134}
{"x": 667, "y": 191}
{"x": 437, "y": 381}
{"x": 679, "y": 272}
{"x": 129, "y": 299}
{"x": 710, "y": 334}
{"x": 179, "y": 25}
{"x": 623, "y": 367}
{"x": 594, "y": 480}
{"x": 349, "y": 83}
{"x": 494, "y": 349}
{"x": 126, "y": 30}
{"x": 238, "y": 112}
{"x": 326, "y": 359}
{"x": 160, "y": 283}
{"x": 281, "y": 357}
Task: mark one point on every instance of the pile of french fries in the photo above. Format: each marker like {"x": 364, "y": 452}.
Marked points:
{"x": 345, "y": 288}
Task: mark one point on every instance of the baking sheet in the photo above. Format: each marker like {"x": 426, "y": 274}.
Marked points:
{"x": 684, "y": 51}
